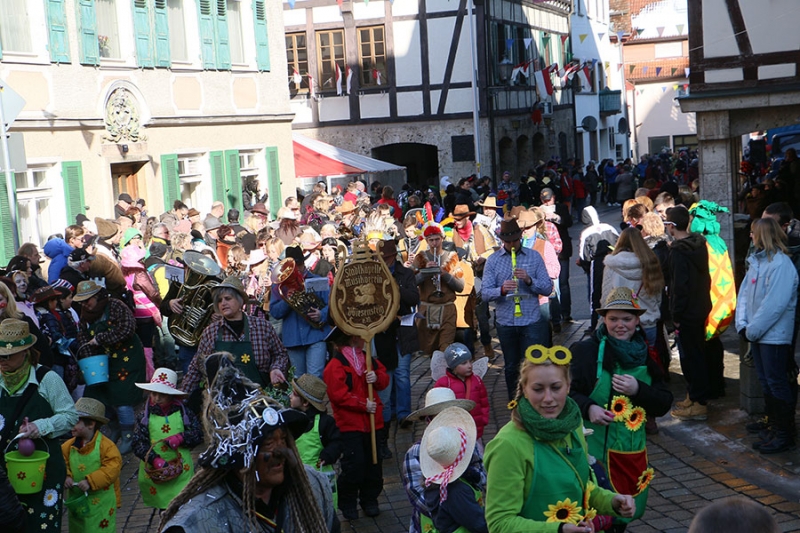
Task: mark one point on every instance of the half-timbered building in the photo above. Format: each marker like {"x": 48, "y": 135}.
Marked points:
{"x": 393, "y": 80}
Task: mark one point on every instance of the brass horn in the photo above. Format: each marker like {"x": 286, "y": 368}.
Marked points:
{"x": 201, "y": 277}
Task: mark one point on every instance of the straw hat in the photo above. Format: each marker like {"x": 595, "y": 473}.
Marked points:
{"x": 621, "y": 299}
{"x": 444, "y": 446}
{"x": 164, "y": 381}
{"x": 85, "y": 290}
{"x": 510, "y": 230}
{"x": 528, "y": 219}
{"x": 309, "y": 241}
{"x": 233, "y": 282}
{"x": 91, "y": 409}
{"x": 15, "y": 336}
{"x": 462, "y": 211}
{"x": 311, "y": 389}
{"x": 437, "y": 400}
{"x": 489, "y": 203}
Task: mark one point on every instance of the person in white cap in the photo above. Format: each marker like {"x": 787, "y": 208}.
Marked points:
{"x": 163, "y": 439}
{"x": 445, "y": 452}
{"x": 436, "y": 400}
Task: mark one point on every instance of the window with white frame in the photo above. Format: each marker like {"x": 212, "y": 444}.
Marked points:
{"x": 190, "y": 173}
{"x": 235, "y": 32}
{"x": 177, "y": 30}
{"x": 15, "y": 26}
{"x": 108, "y": 28}
{"x": 251, "y": 167}
{"x": 36, "y": 202}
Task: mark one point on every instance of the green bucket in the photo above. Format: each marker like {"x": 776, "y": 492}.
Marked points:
{"x": 78, "y": 505}
{"x": 26, "y": 473}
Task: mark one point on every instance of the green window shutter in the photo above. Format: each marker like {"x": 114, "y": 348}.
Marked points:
{"x": 222, "y": 36}
{"x": 233, "y": 198}
{"x": 87, "y": 32}
{"x": 218, "y": 177}
{"x": 273, "y": 180}
{"x": 207, "y": 47}
{"x": 141, "y": 29}
{"x": 57, "y": 31}
{"x": 162, "y": 34}
{"x": 72, "y": 174}
{"x": 262, "y": 37}
{"x": 170, "y": 180}
{"x": 6, "y": 230}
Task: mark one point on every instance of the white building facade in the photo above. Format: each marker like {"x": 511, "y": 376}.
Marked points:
{"x": 163, "y": 99}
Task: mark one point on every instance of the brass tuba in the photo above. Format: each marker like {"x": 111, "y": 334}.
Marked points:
{"x": 198, "y": 303}
{"x": 292, "y": 288}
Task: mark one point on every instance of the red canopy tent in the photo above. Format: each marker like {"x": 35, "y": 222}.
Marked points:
{"x": 311, "y": 164}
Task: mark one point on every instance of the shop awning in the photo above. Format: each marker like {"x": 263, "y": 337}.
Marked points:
{"x": 313, "y": 159}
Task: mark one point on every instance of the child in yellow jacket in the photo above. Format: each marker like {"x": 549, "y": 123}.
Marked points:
{"x": 93, "y": 467}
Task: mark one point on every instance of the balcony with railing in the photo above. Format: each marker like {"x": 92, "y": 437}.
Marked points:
{"x": 610, "y": 102}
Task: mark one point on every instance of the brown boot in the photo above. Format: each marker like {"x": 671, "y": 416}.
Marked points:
{"x": 684, "y": 403}
{"x": 488, "y": 351}
{"x": 695, "y": 411}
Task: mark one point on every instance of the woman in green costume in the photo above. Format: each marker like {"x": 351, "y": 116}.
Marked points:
{"x": 539, "y": 478}
{"x": 35, "y": 403}
{"x": 108, "y": 327}
{"x": 617, "y": 386}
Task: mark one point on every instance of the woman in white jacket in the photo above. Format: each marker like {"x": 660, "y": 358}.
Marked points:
{"x": 633, "y": 264}
{"x": 765, "y": 317}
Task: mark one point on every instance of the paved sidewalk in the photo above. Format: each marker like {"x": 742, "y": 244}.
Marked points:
{"x": 687, "y": 478}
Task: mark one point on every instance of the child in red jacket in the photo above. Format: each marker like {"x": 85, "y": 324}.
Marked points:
{"x": 464, "y": 379}
{"x": 346, "y": 377}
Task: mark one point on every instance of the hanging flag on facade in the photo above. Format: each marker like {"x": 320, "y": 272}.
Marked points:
{"x": 297, "y": 79}
{"x": 310, "y": 84}
{"x": 544, "y": 84}
{"x": 338, "y": 80}
{"x": 376, "y": 75}
{"x": 349, "y": 72}
{"x": 585, "y": 76}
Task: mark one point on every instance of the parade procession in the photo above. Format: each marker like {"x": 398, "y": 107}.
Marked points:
{"x": 388, "y": 266}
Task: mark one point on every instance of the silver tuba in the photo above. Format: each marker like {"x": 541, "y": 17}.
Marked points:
{"x": 200, "y": 277}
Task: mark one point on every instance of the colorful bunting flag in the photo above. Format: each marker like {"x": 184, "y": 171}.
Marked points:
{"x": 660, "y": 30}
{"x": 675, "y": 87}
{"x": 686, "y": 71}
{"x": 527, "y": 41}
{"x": 620, "y": 35}
{"x": 606, "y": 64}
{"x": 291, "y": 4}
{"x": 509, "y": 43}
{"x": 639, "y": 31}
{"x": 680, "y": 29}
{"x": 619, "y": 67}
{"x": 658, "y": 71}
{"x": 664, "y": 89}
{"x": 632, "y": 68}
{"x": 564, "y": 39}
{"x": 644, "y": 70}
{"x": 600, "y": 36}
{"x": 583, "y": 36}
{"x": 674, "y": 70}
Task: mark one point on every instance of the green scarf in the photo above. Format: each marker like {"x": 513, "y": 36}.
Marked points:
{"x": 549, "y": 429}
{"x": 630, "y": 354}
{"x": 19, "y": 377}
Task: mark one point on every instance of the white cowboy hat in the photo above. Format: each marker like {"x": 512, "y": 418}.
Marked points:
{"x": 164, "y": 381}
{"x": 437, "y": 400}
{"x": 443, "y": 446}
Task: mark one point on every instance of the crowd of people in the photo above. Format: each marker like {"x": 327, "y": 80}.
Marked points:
{"x": 217, "y": 330}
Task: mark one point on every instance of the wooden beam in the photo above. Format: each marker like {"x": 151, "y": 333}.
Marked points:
{"x": 451, "y": 56}
{"x": 739, "y": 29}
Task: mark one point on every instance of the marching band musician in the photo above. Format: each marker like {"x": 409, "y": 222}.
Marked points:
{"x": 303, "y": 334}
{"x": 439, "y": 279}
{"x": 256, "y": 348}
{"x": 514, "y": 277}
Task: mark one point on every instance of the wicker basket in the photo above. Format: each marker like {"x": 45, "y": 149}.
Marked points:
{"x": 170, "y": 471}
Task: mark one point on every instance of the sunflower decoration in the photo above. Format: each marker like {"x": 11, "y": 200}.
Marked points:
{"x": 635, "y": 419}
{"x": 587, "y": 494}
{"x": 621, "y": 407}
{"x": 645, "y": 479}
{"x": 590, "y": 514}
{"x": 567, "y": 512}
{"x": 512, "y": 405}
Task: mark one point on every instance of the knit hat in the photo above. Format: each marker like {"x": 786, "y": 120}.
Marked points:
{"x": 64, "y": 286}
{"x": 455, "y": 354}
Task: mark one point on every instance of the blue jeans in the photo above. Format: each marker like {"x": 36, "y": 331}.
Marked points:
{"x": 125, "y": 416}
{"x": 514, "y": 340}
{"x": 771, "y": 361}
{"x": 397, "y": 396}
{"x": 309, "y": 359}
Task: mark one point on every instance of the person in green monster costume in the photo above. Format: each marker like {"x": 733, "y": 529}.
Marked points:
{"x": 618, "y": 384}
{"x": 166, "y": 431}
{"x": 34, "y": 403}
{"x": 93, "y": 467}
{"x": 107, "y": 326}
{"x": 539, "y": 478}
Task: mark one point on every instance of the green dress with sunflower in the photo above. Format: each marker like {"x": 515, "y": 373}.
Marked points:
{"x": 126, "y": 365}
{"x": 159, "y": 495}
{"x": 102, "y": 515}
{"x": 621, "y": 446}
{"x": 45, "y": 506}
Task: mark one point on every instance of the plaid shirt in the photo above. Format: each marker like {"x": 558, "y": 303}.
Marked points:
{"x": 269, "y": 351}
{"x": 414, "y": 483}
{"x": 553, "y": 236}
